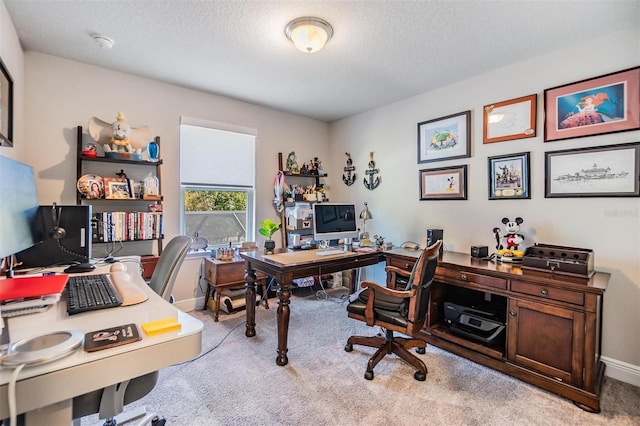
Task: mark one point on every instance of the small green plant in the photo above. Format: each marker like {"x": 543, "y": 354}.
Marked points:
{"x": 268, "y": 228}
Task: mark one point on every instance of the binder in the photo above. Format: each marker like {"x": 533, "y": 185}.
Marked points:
{"x": 32, "y": 286}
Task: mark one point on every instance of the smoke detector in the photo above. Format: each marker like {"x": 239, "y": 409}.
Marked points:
{"x": 103, "y": 41}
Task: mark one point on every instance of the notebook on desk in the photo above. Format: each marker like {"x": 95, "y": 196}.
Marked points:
{"x": 32, "y": 287}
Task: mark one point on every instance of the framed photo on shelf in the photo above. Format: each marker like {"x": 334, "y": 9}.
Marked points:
{"x": 509, "y": 177}
{"x": 606, "y": 104}
{"x": 444, "y": 183}
{"x": 510, "y": 120}
{"x": 603, "y": 171}
{"x": 6, "y": 107}
{"x": 117, "y": 188}
{"x": 445, "y": 138}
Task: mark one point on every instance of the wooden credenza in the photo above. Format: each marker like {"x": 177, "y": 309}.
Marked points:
{"x": 553, "y": 322}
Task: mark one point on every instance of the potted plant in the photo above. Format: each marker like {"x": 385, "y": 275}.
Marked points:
{"x": 267, "y": 229}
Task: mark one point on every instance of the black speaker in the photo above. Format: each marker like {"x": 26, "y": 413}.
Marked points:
{"x": 434, "y": 235}
{"x": 57, "y": 233}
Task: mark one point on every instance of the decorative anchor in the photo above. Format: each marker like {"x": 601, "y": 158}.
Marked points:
{"x": 372, "y": 183}
{"x": 349, "y": 178}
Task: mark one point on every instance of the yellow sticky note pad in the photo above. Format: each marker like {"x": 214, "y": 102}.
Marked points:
{"x": 160, "y": 326}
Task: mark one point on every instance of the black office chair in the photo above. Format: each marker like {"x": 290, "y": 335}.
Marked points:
{"x": 109, "y": 402}
{"x": 403, "y": 311}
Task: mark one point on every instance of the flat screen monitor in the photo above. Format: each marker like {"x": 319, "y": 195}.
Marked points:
{"x": 334, "y": 221}
{"x": 71, "y": 227}
{"x": 18, "y": 206}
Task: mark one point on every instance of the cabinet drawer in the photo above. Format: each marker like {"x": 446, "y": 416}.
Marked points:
{"x": 405, "y": 264}
{"x": 472, "y": 278}
{"x": 548, "y": 292}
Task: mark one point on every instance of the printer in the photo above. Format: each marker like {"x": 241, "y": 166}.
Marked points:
{"x": 480, "y": 324}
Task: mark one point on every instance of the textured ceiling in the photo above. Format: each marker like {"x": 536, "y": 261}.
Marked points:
{"x": 381, "y": 52}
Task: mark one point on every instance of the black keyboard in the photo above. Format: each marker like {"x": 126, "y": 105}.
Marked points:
{"x": 91, "y": 292}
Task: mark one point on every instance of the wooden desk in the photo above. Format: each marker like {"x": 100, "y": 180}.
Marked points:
{"x": 45, "y": 391}
{"x": 226, "y": 274}
{"x": 553, "y": 322}
{"x": 284, "y": 266}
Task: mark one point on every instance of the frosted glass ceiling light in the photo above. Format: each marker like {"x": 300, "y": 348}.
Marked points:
{"x": 309, "y": 34}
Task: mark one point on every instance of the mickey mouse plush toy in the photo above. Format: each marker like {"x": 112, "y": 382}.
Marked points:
{"x": 513, "y": 240}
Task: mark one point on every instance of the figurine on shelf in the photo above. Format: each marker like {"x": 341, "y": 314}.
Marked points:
{"x": 513, "y": 240}
{"x": 292, "y": 164}
{"x": 120, "y": 137}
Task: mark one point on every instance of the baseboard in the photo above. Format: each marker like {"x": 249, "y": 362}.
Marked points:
{"x": 622, "y": 371}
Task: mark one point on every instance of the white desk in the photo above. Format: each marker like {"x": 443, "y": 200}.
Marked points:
{"x": 45, "y": 391}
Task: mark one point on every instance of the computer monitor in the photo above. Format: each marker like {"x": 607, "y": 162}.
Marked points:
{"x": 63, "y": 235}
{"x": 18, "y": 206}
{"x": 334, "y": 221}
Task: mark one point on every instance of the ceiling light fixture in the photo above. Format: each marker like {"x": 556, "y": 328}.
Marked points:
{"x": 309, "y": 34}
{"x": 103, "y": 41}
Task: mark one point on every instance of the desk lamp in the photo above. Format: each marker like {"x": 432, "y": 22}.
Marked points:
{"x": 364, "y": 235}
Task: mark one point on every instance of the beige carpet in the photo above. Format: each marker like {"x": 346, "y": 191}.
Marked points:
{"x": 238, "y": 382}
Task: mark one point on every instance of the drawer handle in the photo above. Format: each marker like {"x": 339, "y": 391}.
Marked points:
{"x": 463, "y": 277}
{"x": 544, "y": 292}
{"x": 406, "y": 266}
{"x": 513, "y": 313}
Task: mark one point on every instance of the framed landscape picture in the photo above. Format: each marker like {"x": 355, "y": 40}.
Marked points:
{"x": 509, "y": 177}
{"x": 6, "y": 107}
{"x": 606, "y": 104}
{"x": 510, "y": 120}
{"x": 603, "y": 171}
{"x": 445, "y": 138}
{"x": 445, "y": 183}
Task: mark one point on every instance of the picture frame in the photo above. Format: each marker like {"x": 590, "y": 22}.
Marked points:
{"x": 510, "y": 120}
{"x": 444, "y": 183}
{"x": 6, "y": 107}
{"x": 603, "y": 171}
{"x": 605, "y": 104}
{"x": 509, "y": 176}
{"x": 117, "y": 188}
{"x": 445, "y": 138}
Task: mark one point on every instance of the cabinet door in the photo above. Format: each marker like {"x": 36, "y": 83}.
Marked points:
{"x": 548, "y": 339}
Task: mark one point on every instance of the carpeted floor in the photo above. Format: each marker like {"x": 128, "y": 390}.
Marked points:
{"x": 236, "y": 381}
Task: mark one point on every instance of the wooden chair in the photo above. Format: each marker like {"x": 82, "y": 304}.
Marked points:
{"x": 403, "y": 311}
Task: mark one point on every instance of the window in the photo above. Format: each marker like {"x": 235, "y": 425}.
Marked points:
{"x": 217, "y": 169}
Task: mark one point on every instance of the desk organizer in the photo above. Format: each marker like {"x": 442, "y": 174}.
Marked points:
{"x": 577, "y": 262}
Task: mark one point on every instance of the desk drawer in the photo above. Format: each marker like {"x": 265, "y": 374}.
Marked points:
{"x": 401, "y": 263}
{"x": 548, "y": 292}
{"x": 467, "y": 277}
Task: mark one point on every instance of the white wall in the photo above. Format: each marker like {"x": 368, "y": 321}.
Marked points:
{"x": 62, "y": 94}
{"x": 609, "y": 226}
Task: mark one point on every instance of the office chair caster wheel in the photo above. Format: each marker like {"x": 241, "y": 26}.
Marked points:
{"x": 421, "y": 351}
{"x": 158, "y": 421}
{"x": 368, "y": 375}
{"x": 420, "y": 376}
{"x": 348, "y": 347}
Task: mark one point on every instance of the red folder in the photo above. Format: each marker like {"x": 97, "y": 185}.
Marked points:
{"x": 33, "y": 286}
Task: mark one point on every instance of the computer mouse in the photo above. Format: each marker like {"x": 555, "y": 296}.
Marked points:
{"x": 78, "y": 268}
{"x": 118, "y": 267}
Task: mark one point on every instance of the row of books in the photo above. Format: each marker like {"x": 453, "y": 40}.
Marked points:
{"x": 126, "y": 226}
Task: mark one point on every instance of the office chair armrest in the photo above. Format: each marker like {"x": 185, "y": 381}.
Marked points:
{"x": 393, "y": 272}
{"x": 377, "y": 288}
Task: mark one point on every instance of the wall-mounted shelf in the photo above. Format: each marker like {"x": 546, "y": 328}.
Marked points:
{"x": 135, "y": 211}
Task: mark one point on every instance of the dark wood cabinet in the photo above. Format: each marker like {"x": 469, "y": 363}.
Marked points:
{"x": 553, "y": 323}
